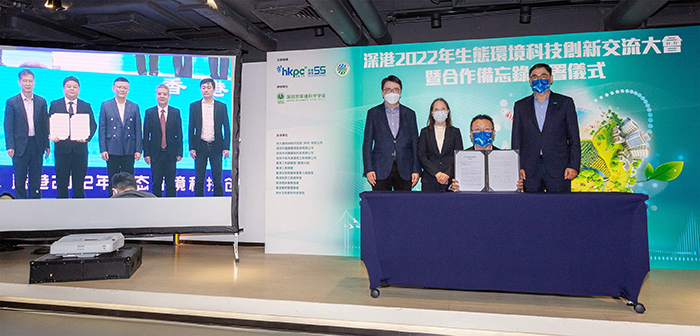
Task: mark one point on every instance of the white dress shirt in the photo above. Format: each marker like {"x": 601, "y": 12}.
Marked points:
{"x": 207, "y": 121}
{"x": 160, "y": 109}
{"x": 439, "y": 136}
{"x": 75, "y": 105}
{"x": 29, "y": 109}
{"x": 121, "y": 108}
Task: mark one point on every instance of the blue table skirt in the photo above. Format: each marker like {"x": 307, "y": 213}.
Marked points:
{"x": 593, "y": 244}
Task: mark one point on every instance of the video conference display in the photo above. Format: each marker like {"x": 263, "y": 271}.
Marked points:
{"x": 96, "y": 73}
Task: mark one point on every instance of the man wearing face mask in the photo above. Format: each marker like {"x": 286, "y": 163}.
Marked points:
{"x": 389, "y": 148}
{"x": 545, "y": 130}
{"x": 482, "y": 134}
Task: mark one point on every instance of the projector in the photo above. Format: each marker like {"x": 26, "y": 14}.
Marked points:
{"x": 87, "y": 245}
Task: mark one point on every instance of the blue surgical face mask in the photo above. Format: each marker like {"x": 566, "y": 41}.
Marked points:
{"x": 483, "y": 138}
{"x": 540, "y": 85}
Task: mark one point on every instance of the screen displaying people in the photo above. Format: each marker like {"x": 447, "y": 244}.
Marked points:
{"x": 210, "y": 137}
{"x": 27, "y": 136}
{"x": 120, "y": 131}
{"x": 162, "y": 142}
{"x": 71, "y": 153}
{"x": 90, "y": 146}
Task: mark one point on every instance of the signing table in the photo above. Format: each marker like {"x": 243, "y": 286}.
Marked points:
{"x": 592, "y": 244}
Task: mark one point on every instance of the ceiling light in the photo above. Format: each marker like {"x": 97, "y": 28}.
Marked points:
{"x": 525, "y": 14}
{"x": 54, "y": 4}
{"x": 436, "y": 20}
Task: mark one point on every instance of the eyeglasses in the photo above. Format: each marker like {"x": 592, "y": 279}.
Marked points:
{"x": 542, "y": 76}
{"x": 389, "y": 90}
{"x": 485, "y": 129}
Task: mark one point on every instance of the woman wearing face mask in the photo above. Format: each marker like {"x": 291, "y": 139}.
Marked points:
{"x": 436, "y": 146}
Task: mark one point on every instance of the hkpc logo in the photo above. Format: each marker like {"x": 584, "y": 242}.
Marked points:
{"x": 315, "y": 71}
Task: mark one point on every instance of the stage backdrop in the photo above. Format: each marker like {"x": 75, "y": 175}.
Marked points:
{"x": 636, "y": 95}
{"x": 96, "y": 72}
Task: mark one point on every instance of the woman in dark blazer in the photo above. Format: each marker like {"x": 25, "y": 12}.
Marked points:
{"x": 436, "y": 146}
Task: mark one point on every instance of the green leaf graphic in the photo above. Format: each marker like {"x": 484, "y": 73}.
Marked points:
{"x": 667, "y": 171}
{"x": 648, "y": 170}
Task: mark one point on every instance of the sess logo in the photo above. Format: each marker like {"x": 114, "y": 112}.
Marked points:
{"x": 342, "y": 68}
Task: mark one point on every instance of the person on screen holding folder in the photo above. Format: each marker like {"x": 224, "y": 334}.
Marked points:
{"x": 27, "y": 136}
{"x": 162, "y": 142}
{"x": 390, "y": 145}
{"x": 437, "y": 144}
{"x": 545, "y": 130}
{"x": 71, "y": 155}
{"x": 120, "y": 131}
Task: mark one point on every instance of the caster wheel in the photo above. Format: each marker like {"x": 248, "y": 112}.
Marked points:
{"x": 639, "y": 308}
{"x": 374, "y": 293}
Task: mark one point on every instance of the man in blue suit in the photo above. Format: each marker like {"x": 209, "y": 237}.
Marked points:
{"x": 390, "y": 146}
{"x": 162, "y": 142}
{"x": 27, "y": 135}
{"x": 209, "y": 136}
{"x": 545, "y": 130}
{"x": 120, "y": 131}
{"x": 71, "y": 154}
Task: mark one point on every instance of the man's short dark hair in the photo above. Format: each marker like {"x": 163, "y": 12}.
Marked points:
{"x": 25, "y": 72}
{"x": 541, "y": 65}
{"x": 207, "y": 80}
{"x": 71, "y": 78}
{"x": 392, "y": 78}
{"x": 120, "y": 79}
{"x": 124, "y": 181}
{"x": 481, "y": 117}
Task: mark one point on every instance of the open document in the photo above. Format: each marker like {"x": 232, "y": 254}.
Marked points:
{"x": 59, "y": 126}
{"x": 497, "y": 170}
{"x": 80, "y": 126}
{"x": 470, "y": 170}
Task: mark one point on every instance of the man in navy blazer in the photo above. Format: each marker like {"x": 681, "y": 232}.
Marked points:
{"x": 162, "y": 142}
{"x": 209, "y": 137}
{"x": 120, "y": 131}
{"x": 27, "y": 136}
{"x": 545, "y": 130}
{"x": 390, "y": 145}
{"x": 71, "y": 154}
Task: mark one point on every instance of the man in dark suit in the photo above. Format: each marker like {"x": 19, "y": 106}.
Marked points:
{"x": 209, "y": 137}
{"x": 545, "y": 130}
{"x": 162, "y": 142}
{"x": 27, "y": 135}
{"x": 390, "y": 145}
{"x": 71, "y": 154}
{"x": 120, "y": 131}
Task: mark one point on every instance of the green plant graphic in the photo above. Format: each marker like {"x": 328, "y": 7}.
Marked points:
{"x": 612, "y": 154}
